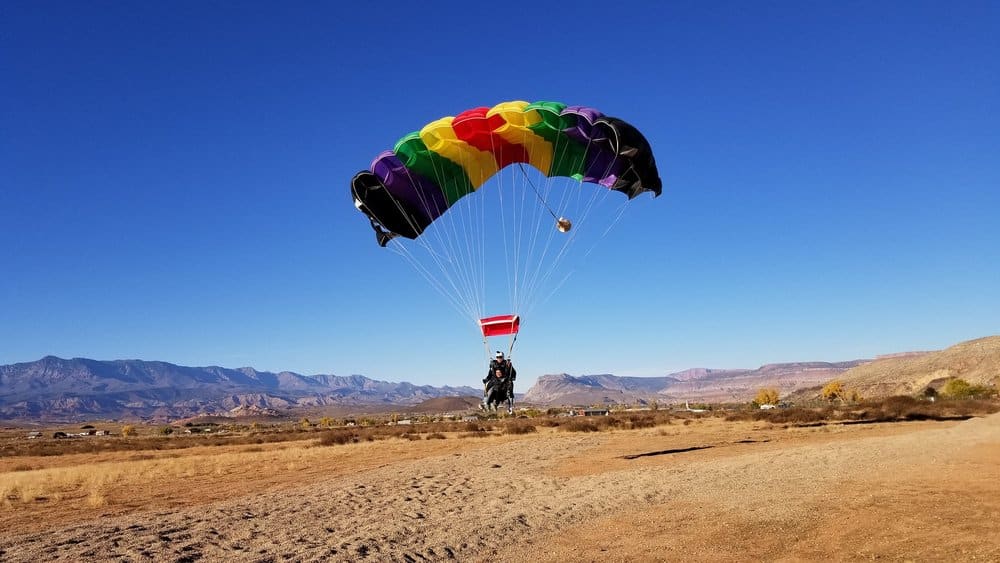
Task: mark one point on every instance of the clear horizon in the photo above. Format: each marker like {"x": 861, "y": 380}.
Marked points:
{"x": 176, "y": 183}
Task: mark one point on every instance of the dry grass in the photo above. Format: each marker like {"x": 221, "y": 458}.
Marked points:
{"x": 619, "y": 421}
{"x": 105, "y": 479}
{"x": 234, "y": 436}
{"x": 891, "y": 409}
{"x": 97, "y": 483}
{"x": 105, "y": 444}
{"x": 80, "y": 480}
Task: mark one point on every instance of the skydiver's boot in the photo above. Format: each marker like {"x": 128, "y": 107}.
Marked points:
{"x": 510, "y": 406}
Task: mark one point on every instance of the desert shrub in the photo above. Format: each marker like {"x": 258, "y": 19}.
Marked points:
{"x": 580, "y": 425}
{"x": 411, "y": 436}
{"x": 128, "y": 430}
{"x": 795, "y": 415}
{"x": 475, "y": 435}
{"x": 166, "y": 430}
{"x": 741, "y": 415}
{"x": 519, "y": 428}
{"x": 436, "y": 436}
{"x": 640, "y": 420}
{"x": 900, "y": 402}
{"x": 338, "y": 437}
{"x": 393, "y": 431}
{"x": 478, "y": 427}
{"x": 899, "y": 406}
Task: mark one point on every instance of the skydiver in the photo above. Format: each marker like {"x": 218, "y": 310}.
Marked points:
{"x": 493, "y": 380}
{"x": 509, "y": 376}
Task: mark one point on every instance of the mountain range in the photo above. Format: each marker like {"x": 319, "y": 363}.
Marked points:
{"x": 53, "y": 388}
{"x": 58, "y": 389}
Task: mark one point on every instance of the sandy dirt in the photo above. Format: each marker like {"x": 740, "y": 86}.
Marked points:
{"x": 711, "y": 490}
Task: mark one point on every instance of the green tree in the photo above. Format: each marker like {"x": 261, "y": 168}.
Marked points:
{"x": 962, "y": 389}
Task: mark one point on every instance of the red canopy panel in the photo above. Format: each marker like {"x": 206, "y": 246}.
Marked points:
{"x": 498, "y": 326}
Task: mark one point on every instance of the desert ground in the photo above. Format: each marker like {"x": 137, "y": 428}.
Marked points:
{"x": 702, "y": 488}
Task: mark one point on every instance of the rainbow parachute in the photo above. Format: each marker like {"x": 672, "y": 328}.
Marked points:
{"x": 429, "y": 170}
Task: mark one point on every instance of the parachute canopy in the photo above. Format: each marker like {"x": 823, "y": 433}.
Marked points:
{"x": 409, "y": 187}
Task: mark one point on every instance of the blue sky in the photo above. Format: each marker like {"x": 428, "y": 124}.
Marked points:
{"x": 175, "y": 180}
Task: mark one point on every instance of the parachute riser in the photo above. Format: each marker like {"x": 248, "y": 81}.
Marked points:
{"x": 510, "y": 348}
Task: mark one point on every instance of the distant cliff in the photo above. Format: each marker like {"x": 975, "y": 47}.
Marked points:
{"x": 698, "y": 384}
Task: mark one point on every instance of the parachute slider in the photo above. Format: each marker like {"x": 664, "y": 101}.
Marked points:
{"x": 563, "y": 224}
{"x": 500, "y": 325}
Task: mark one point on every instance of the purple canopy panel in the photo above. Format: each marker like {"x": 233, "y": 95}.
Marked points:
{"x": 405, "y": 185}
{"x": 603, "y": 164}
{"x": 581, "y": 132}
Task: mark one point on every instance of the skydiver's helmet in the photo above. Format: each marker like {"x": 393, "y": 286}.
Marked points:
{"x": 499, "y": 356}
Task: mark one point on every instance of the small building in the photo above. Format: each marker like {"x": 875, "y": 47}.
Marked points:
{"x": 34, "y": 435}
{"x": 592, "y": 412}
